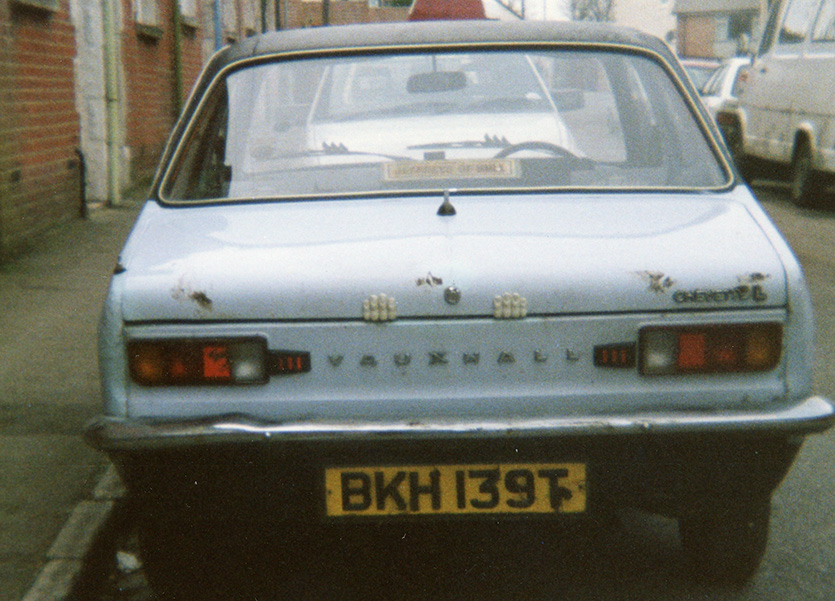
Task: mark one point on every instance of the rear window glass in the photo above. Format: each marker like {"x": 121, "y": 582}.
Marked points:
{"x": 466, "y": 120}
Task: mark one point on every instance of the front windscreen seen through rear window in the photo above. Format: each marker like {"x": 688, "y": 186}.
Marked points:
{"x": 465, "y": 120}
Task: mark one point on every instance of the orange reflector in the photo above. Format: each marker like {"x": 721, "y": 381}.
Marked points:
{"x": 147, "y": 364}
{"x": 759, "y": 353}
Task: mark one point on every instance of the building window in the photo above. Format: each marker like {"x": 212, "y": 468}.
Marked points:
{"x": 798, "y": 21}
{"x": 44, "y": 5}
{"x": 730, "y": 28}
{"x": 230, "y": 18}
{"x": 146, "y": 12}
{"x": 188, "y": 9}
{"x": 249, "y": 18}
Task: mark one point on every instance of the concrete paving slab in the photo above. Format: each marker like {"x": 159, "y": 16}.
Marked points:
{"x": 50, "y": 299}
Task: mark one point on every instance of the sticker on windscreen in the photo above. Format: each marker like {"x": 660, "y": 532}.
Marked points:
{"x": 402, "y": 171}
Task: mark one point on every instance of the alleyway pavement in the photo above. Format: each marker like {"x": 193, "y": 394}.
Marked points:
{"x": 50, "y": 298}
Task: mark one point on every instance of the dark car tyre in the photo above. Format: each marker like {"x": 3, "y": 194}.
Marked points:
{"x": 732, "y": 132}
{"x": 172, "y": 563}
{"x": 189, "y": 562}
{"x": 725, "y": 544}
{"x": 805, "y": 183}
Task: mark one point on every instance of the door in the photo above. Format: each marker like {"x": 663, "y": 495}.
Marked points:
{"x": 770, "y": 92}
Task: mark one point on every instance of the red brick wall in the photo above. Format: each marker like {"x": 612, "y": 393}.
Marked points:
{"x": 39, "y": 127}
{"x": 150, "y": 72}
{"x": 300, "y": 13}
{"x": 192, "y": 57}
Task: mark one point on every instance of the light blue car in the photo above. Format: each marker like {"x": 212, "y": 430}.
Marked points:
{"x": 425, "y": 273}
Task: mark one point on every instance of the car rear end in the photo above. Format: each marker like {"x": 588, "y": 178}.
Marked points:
{"x": 502, "y": 324}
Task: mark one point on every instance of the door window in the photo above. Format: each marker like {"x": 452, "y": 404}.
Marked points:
{"x": 798, "y": 21}
{"x": 825, "y": 26}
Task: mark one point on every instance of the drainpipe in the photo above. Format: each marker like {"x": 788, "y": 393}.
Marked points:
{"x": 82, "y": 183}
{"x": 111, "y": 93}
{"x": 218, "y": 25}
{"x": 178, "y": 58}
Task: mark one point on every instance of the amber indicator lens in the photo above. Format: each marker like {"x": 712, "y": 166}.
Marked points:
{"x": 615, "y": 355}
{"x": 710, "y": 348}
{"x": 193, "y": 362}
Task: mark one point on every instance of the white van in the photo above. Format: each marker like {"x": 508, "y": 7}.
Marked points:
{"x": 785, "y": 112}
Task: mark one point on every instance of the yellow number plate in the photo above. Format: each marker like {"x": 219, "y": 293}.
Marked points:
{"x": 456, "y": 489}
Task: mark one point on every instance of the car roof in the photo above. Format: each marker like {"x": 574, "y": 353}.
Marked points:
{"x": 403, "y": 35}
{"x": 431, "y": 33}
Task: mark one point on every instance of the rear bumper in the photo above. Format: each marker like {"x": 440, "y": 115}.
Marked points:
{"x": 112, "y": 434}
{"x": 243, "y": 470}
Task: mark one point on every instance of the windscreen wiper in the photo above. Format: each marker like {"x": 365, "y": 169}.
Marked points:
{"x": 488, "y": 142}
{"x": 339, "y": 149}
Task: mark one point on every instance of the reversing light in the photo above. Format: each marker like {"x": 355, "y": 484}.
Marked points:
{"x": 195, "y": 362}
{"x": 710, "y": 348}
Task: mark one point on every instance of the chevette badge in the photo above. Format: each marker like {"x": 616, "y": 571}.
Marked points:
{"x": 738, "y": 294}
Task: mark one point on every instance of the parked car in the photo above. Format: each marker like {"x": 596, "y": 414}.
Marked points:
{"x": 700, "y": 70}
{"x": 723, "y": 85}
{"x": 448, "y": 274}
{"x": 785, "y": 113}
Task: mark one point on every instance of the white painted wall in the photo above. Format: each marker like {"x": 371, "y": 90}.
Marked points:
{"x": 534, "y": 10}
{"x": 90, "y": 102}
{"x": 654, "y": 17}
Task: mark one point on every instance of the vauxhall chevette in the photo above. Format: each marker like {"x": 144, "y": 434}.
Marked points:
{"x": 453, "y": 272}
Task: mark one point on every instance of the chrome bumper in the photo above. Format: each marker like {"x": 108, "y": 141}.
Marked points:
{"x": 115, "y": 434}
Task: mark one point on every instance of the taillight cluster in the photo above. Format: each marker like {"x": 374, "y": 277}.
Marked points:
{"x": 196, "y": 362}
{"x": 731, "y": 348}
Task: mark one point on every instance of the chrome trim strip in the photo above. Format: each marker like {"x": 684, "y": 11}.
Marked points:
{"x": 113, "y": 434}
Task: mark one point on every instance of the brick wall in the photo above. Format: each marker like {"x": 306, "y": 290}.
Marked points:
{"x": 307, "y": 13}
{"x": 696, "y": 35}
{"x": 39, "y": 167}
{"x": 6, "y": 121}
{"x": 152, "y": 67}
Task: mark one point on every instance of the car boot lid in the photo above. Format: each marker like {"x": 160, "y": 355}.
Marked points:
{"x": 505, "y": 256}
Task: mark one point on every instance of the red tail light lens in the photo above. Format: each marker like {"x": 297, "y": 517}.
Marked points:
{"x": 191, "y": 362}
{"x": 710, "y": 348}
